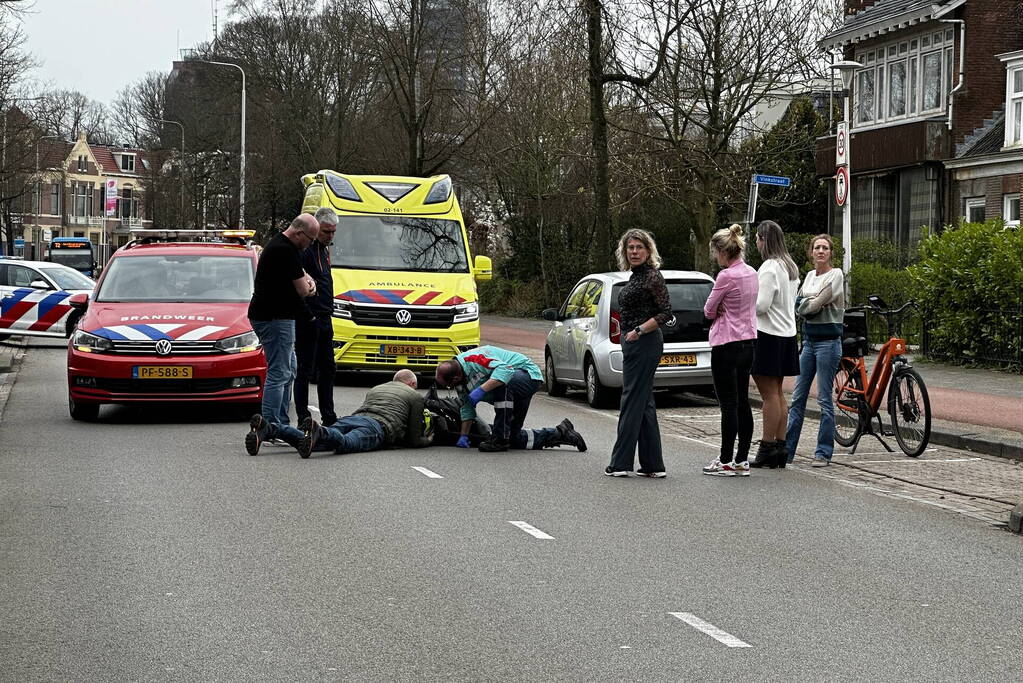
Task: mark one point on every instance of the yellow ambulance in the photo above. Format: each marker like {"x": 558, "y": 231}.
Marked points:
{"x": 404, "y": 280}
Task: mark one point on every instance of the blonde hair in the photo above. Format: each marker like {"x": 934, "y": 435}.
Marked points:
{"x": 729, "y": 241}
{"x": 621, "y": 253}
{"x": 823, "y": 236}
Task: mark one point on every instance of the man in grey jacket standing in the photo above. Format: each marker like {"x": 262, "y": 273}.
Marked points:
{"x": 391, "y": 413}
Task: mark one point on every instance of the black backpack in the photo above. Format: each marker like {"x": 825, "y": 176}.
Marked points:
{"x": 447, "y": 420}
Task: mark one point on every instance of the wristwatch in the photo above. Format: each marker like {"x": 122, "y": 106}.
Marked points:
{"x": 638, "y": 330}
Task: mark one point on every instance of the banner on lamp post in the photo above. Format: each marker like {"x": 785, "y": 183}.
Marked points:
{"x": 111, "y": 197}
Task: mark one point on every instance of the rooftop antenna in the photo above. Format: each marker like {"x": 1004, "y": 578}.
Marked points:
{"x": 214, "y": 4}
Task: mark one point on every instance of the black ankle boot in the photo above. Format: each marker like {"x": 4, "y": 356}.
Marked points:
{"x": 781, "y": 454}
{"x": 764, "y": 456}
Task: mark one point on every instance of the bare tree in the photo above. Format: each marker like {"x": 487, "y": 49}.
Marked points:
{"x": 136, "y": 112}
{"x": 68, "y": 113}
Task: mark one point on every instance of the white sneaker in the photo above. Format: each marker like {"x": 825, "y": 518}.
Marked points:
{"x": 741, "y": 468}
{"x": 719, "y": 469}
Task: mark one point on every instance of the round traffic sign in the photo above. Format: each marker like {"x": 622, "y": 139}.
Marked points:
{"x": 841, "y": 185}
{"x": 840, "y": 143}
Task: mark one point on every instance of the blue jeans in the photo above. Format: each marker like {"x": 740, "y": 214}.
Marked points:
{"x": 352, "y": 434}
{"x": 278, "y": 340}
{"x": 818, "y": 358}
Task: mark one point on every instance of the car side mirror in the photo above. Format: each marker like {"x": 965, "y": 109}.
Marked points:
{"x": 550, "y": 314}
{"x": 79, "y": 302}
{"x": 39, "y": 284}
{"x": 482, "y": 268}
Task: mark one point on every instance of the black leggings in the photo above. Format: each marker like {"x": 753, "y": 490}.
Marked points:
{"x": 730, "y": 365}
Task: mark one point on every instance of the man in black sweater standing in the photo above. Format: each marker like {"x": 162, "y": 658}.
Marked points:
{"x": 314, "y": 333}
{"x": 278, "y": 295}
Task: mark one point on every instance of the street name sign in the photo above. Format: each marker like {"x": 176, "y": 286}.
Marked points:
{"x": 777, "y": 180}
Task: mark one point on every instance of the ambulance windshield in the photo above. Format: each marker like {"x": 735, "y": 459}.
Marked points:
{"x": 399, "y": 243}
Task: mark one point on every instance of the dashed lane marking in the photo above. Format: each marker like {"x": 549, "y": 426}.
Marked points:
{"x": 532, "y": 530}
{"x": 429, "y": 473}
{"x": 710, "y": 629}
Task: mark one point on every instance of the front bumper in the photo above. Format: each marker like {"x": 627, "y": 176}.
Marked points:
{"x": 107, "y": 378}
{"x": 365, "y": 348}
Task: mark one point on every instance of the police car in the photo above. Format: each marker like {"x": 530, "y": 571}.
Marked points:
{"x": 168, "y": 321}
{"x": 35, "y": 298}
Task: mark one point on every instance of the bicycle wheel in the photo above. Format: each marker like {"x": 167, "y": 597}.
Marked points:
{"x": 910, "y": 411}
{"x": 848, "y": 394}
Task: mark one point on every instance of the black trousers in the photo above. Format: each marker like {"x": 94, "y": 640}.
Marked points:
{"x": 314, "y": 351}
{"x": 637, "y": 421}
{"x": 730, "y": 366}
{"x": 511, "y": 404}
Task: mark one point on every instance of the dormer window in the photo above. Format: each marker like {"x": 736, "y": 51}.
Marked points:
{"x": 1013, "y": 98}
{"x": 128, "y": 162}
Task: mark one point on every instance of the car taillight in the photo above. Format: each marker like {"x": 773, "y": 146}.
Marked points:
{"x": 615, "y": 328}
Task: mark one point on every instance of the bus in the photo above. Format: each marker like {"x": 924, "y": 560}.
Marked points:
{"x": 74, "y": 252}
{"x": 404, "y": 279}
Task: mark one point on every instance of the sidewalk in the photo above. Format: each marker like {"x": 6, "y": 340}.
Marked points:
{"x": 11, "y": 352}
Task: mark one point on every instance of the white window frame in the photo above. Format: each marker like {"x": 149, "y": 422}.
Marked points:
{"x": 911, "y": 52}
{"x": 1007, "y": 200}
{"x": 1014, "y": 103}
{"x": 128, "y": 163}
{"x": 974, "y": 203}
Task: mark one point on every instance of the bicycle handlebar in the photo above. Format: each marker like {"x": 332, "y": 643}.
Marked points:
{"x": 875, "y": 309}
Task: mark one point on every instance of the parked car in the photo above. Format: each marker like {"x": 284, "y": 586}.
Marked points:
{"x": 168, "y": 322}
{"x": 584, "y": 348}
{"x": 35, "y": 298}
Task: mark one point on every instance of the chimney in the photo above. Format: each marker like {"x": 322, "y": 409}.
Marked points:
{"x": 855, "y": 6}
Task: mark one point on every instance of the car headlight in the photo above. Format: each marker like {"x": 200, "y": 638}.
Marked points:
{"x": 466, "y": 312}
{"x": 342, "y": 308}
{"x": 247, "y": 341}
{"x": 90, "y": 343}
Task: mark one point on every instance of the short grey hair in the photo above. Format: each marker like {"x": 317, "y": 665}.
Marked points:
{"x": 405, "y": 376}
{"x": 325, "y": 214}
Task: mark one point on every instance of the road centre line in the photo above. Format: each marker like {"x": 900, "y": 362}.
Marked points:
{"x": 532, "y": 530}
{"x": 429, "y": 473}
{"x": 710, "y": 629}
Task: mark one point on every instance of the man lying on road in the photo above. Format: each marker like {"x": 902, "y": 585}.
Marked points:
{"x": 391, "y": 413}
{"x": 507, "y": 380}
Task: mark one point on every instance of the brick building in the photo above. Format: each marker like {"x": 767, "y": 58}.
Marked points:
{"x": 937, "y": 113}
{"x": 70, "y": 197}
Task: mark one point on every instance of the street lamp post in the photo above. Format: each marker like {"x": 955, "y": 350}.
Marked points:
{"x": 181, "y": 177}
{"x": 241, "y": 192}
{"x": 848, "y": 70}
{"x": 36, "y": 199}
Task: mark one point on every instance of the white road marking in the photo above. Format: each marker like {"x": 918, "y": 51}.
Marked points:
{"x": 532, "y": 530}
{"x": 431, "y": 474}
{"x": 710, "y": 629}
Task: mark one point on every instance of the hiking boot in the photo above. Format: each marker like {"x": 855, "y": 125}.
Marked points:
{"x": 651, "y": 474}
{"x": 567, "y": 436}
{"x": 259, "y": 432}
{"x": 719, "y": 469}
{"x": 308, "y": 442}
{"x": 764, "y": 456}
{"x": 612, "y": 472}
{"x": 741, "y": 468}
{"x": 493, "y": 445}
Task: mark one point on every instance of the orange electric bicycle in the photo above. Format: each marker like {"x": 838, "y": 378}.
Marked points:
{"x": 858, "y": 395}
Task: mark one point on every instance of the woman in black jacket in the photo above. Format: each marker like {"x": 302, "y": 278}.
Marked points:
{"x": 644, "y": 306}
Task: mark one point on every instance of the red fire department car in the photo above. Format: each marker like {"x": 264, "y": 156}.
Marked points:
{"x": 168, "y": 322}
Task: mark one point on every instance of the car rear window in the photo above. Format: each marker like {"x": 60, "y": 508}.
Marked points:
{"x": 686, "y": 295}
{"x": 178, "y": 278}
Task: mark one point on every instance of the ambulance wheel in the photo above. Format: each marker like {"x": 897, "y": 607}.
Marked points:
{"x": 83, "y": 412}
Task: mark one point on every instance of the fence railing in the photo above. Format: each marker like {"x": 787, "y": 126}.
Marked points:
{"x": 989, "y": 336}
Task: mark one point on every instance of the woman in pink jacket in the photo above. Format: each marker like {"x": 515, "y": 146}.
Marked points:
{"x": 732, "y": 305}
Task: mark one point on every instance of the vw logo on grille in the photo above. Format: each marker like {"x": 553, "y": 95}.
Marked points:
{"x": 403, "y": 317}
{"x": 163, "y": 348}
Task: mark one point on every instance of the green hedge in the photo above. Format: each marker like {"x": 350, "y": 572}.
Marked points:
{"x": 970, "y": 279}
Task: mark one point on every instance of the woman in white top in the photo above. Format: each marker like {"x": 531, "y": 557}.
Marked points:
{"x": 777, "y": 356}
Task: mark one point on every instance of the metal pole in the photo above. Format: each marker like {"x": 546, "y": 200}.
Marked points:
{"x": 847, "y": 209}
{"x": 241, "y": 191}
{"x": 181, "y": 179}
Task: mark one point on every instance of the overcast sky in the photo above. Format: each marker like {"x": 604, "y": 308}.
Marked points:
{"x": 100, "y": 46}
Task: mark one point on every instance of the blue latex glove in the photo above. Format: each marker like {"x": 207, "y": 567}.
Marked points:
{"x": 463, "y": 441}
{"x": 476, "y": 396}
